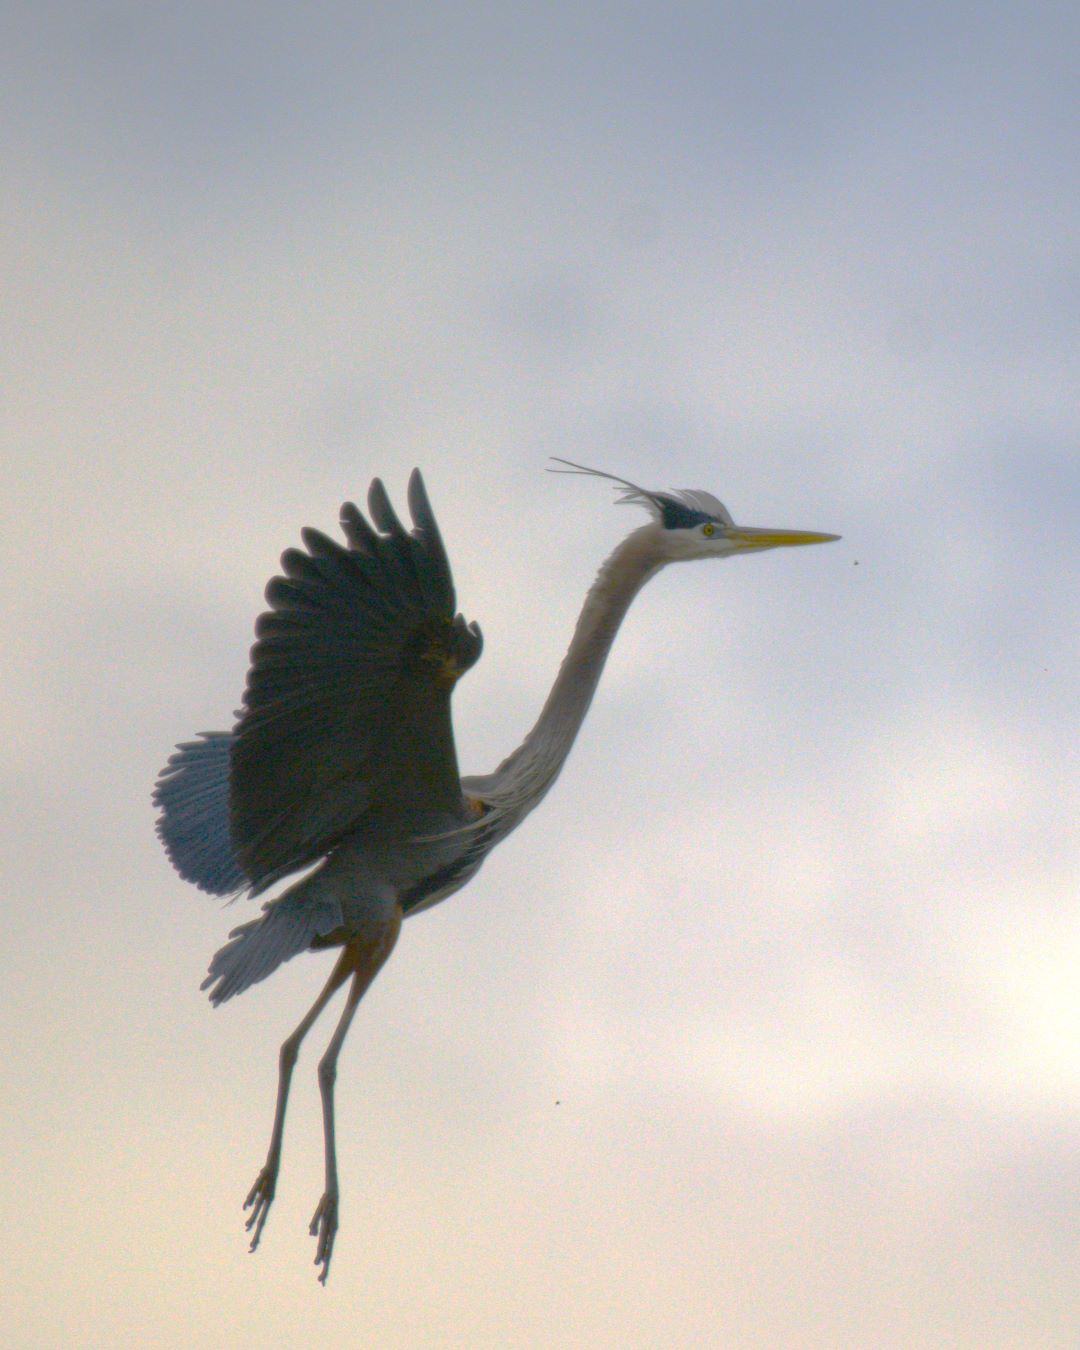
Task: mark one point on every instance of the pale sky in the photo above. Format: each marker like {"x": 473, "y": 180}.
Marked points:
{"x": 763, "y": 1033}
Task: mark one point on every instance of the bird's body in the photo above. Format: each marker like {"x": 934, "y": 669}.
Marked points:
{"x": 342, "y": 759}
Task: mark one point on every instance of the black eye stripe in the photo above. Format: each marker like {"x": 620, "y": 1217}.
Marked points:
{"x": 676, "y": 516}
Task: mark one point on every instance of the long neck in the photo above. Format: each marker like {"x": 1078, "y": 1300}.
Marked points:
{"x": 528, "y": 773}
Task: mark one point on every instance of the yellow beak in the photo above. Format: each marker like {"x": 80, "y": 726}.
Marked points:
{"x": 747, "y": 537}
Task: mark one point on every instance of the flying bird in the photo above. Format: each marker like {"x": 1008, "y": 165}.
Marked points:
{"x": 342, "y": 764}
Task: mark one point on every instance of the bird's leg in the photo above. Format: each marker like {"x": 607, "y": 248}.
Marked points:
{"x": 368, "y": 958}
{"x": 261, "y": 1195}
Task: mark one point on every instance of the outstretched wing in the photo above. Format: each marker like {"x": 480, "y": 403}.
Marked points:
{"x": 192, "y": 794}
{"x": 347, "y": 706}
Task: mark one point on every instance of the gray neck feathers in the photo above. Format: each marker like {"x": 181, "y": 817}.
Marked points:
{"x": 521, "y": 780}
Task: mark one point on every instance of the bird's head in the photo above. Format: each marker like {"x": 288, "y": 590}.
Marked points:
{"x": 693, "y": 524}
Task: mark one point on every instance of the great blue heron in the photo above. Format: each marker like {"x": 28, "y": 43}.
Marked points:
{"x": 343, "y": 756}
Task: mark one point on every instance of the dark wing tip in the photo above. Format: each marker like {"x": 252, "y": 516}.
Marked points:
{"x": 381, "y": 510}
{"x": 419, "y": 504}
{"x": 358, "y": 533}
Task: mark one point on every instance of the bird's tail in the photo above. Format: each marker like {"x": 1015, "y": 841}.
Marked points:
{"x": 288, "y": 925}
{"x": 192, "y": 794}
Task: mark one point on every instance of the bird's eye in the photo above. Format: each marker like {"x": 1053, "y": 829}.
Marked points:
{"x": 708, "y": 529}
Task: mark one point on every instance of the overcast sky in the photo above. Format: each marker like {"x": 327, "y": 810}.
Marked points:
{"x": 764, "y": 1031}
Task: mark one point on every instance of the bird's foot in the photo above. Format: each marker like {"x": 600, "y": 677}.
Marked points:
{"x": 324, "y": 1226}
{"x": 259, "y": 1200}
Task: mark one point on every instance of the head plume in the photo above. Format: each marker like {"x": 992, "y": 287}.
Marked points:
{"x": 679, "y": 509}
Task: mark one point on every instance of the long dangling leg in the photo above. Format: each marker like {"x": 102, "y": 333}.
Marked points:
{"x": 368, "y": 958}
{"x": 261, "y": 1195}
